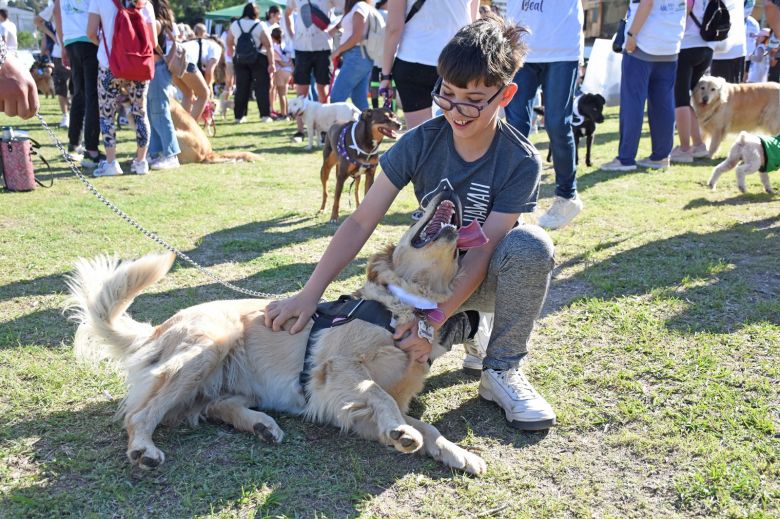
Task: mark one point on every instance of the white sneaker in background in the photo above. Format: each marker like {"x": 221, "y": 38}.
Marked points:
{"x": 616, "y": 165}
{"x": 65, "y": 121}
{"x": 139, "y": 167}
{"x": 561, "y": 212}
{"x": 476, "y": 348}
{"x": 171, "y": 162}
{"x": 525, "y": 409}
{"x": 682, "y": 156}
{"x": 266, "y": 119}
{"x": 647, "y": 162}
{"x": 107, "y": 169}
{"x": 700, "y": 151}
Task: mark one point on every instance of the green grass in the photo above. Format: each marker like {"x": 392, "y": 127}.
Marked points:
{"x": 658, "y": 348}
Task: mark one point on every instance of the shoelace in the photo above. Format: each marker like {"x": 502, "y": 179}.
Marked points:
{"x": 517, "y": 383}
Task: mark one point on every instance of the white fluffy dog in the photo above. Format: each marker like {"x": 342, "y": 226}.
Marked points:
{"x": 748, "y": 155}
{"x": 318, "y": 117}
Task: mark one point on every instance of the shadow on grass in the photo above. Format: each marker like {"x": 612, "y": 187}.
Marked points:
{"x": 743, "y": 199}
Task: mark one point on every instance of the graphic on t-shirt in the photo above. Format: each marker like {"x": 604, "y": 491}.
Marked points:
{"x": 532, "y": 5}
{"x": 475, "y": 206}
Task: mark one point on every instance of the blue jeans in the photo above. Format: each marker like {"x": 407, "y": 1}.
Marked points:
{"x": 557, "y": 80}
{"x": 353, "y": 78}
{"x": 651, "y": 81}
{"x": 162, "y": 140}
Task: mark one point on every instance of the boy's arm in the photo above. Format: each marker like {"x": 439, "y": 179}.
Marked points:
{"x": 473, "y": 270}
{"x": 342, "y": 249}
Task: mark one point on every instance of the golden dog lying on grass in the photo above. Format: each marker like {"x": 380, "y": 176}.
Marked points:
{"x": 218, "y": 360}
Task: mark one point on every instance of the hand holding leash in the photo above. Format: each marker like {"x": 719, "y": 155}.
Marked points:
{"x": 277, "y": 313}
{"x": 415, "y": 344}
{"x": 386, "y": 91}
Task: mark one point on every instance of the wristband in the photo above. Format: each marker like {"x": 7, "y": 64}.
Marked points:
{"x": 630, "y": 34}
{"x": 385, "y": 77}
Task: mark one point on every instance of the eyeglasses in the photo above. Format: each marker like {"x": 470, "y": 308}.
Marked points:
{"x": 469, "y": 110}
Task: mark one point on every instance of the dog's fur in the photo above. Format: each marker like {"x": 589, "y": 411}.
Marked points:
{"x": 591, "y": 108}
{"x": 747, "y": 155}
{"x": 722, "y": 108}
{"x": 318, "y": 117}
{"x": 372, "y": 127}
{"x": 42, "y": 74}
{"x": 218, "y": 360}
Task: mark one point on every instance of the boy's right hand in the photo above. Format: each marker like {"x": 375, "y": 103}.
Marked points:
{"x": 279, "y": 312}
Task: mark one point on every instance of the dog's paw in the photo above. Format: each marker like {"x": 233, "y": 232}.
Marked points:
{"x": 307, "y": 147}
{"x": 712, "y": 185}
{"x": 461, "y": 459}
{"x": 405, "y": 438}
{"x": 269, "y": 434}
{"x": 148, "y": 458}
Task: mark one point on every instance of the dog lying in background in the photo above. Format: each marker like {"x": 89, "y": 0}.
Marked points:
{"x": 749, "y": 154}
{"x": 42, "y": 70}
{"x": 218, "y": 360}
{"x": 318, "y": 117}
{"x": 722, "y": 108}
{"x": 588, "y": 112}
{"x": 354, "y": 148}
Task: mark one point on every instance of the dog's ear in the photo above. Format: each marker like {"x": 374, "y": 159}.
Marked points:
{"x": 601, "y": 99}
{"x": 379, "y": 262}
{"x": 367, "y": 114}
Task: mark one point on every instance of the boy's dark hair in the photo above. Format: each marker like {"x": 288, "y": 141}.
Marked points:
{"x": 488, "y": 50}
{"x": 4, "y": 14}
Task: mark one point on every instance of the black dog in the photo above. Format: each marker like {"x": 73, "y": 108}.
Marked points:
{"x": 588, "y": 112}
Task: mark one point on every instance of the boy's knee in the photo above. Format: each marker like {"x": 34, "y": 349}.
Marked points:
{"x": 527, "y": 247}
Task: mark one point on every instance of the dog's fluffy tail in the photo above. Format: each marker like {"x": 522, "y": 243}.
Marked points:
{"x": 232, "y": 156}
{"x": 101, "y": 290}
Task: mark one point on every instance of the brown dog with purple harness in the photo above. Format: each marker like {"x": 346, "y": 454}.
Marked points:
{"x": 354, "y": 148}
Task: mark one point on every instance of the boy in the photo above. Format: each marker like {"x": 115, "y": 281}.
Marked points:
{"x": 495, "y": 171}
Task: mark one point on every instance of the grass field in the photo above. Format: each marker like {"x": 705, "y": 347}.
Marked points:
{"x": 658, "y": 348}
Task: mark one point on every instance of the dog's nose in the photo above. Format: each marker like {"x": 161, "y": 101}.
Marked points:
{"x": 705, "y": 99}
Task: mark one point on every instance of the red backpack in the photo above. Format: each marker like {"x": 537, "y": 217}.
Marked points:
{"x": 131, "y": 55}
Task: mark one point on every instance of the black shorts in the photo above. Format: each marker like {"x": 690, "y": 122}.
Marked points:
{"x": 414, "y": 83}
{"x": 308, "y": 60}
{"x": 692, "y": 63}
{"x": 731, "y": 70}
{"x": 60, "y": 76}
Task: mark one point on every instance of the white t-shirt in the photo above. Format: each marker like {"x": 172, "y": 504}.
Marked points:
{"x": 107, "y": 11}
{"x": 211, "y": 50}
{"x": 308, "y": 37}
{"x": 759, "y": 70}
{"x": 692, "y": 36}
{"x": 752, "y": 28}
{"x": 282, "y": 58}
{"x": 75, "y": 15}
{"x": 245, "y": 26}
{"x": 431, "y": 29}
{"x": 346, "y": 22}
{"x": 223, "y": 37}
{"x": 734, "y": 46}
{"x": 48, "y": 15}
{"x": 662, "y": 32}
{"x": 8, "y": 33}
{"x": 555, "y": 26}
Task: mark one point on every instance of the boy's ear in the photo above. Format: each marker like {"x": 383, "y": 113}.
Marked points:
{"x": 509, "y": 92}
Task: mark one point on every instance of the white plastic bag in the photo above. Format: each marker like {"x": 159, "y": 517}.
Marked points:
{"x": 602, "y": 75}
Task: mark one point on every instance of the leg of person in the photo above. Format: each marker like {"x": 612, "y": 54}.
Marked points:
{"x": 302, "y": 81}
{"x": 699, "y": 149}
{"x": 137, "y": 90}
{"x": 243, "y": 85}
{"x": 374, "y": 87}
{"x": 322, "y": 73}
{"x": 360, "y": 91}
{"x": 414, "y": 83}
{"x": 558, "y": 83}
{"x": 660, "y": 113}
{"x": 633, "y": 95}
{"x": 77, "y": 72}
{"x": 108, "y": 92}
{"x": 163, "y": 141}
{"x": 262, "y": 82}
{"x": 200, "y": 92}
{"x": 520, "y": 109}
{"x": 682, "y": 102}
{"x": 60, "y": 78}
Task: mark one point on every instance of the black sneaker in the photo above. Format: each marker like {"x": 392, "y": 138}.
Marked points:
{"x": 298, "y": 137}
{"x": 90, "y": 161}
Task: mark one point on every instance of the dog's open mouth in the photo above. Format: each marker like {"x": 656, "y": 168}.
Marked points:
{"x": 444, "y": 221}
{"x": 388, "y": 132}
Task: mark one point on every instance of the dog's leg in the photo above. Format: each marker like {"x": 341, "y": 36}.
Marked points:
{"x": 588, "y": 144}
{"x": 441, "y": 449}
{"x": 717, "y": 138}
{"x": 356, "y": 188}
{"x": 549, "y": 153}
{"x": 742, "y": 171}
{"x": 734, "y": 157}
{"x": 327, "y": 164}
{"x": 341, "y": 177}
{"x": 369, "y": 180}
{"x": 310, "y": 134}
{"x": 765, "y": 180}
{"x": 234, "y": 410}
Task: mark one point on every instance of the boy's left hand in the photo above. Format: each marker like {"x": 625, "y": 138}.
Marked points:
{"x": 415, "y": 346}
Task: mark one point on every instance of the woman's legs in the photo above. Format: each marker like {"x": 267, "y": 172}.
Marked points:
{"x": 262, "y": 82}
{"x": 353, "y": 79}
{"x": 243, "y": 85}
{"x": 108, "y": 92}
{"x": 137, "y": 90}
{"x": 163, "y": 134}
{"x": 633, "y": 95}
{"x": 195, "y": 90}
{"x": 660, "y": 108}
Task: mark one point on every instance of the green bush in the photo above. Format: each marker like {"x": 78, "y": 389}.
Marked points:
{"x": 26, "y": 40}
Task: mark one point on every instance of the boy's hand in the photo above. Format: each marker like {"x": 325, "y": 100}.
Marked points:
{"x": 413, "y": 345}
{"x": 279, "y": 312}
{"x": 18, "y": 93}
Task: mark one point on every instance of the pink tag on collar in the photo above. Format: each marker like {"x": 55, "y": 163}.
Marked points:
{"x": 435, "y": 315}
{"x": 471, "y": 236}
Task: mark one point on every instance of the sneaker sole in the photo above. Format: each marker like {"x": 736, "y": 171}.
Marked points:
{"x": 473, "y": 372}
{"x": 539, "y": 425}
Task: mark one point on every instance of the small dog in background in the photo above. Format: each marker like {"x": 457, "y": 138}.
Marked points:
{"x": 749, "y": 154}
{"x": 42, "y": 70}
{"x": 318, "y": 117}
{"x": 588, "y": 112}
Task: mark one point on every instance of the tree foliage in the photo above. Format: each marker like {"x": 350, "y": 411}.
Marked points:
{"x": 193, "y": 11}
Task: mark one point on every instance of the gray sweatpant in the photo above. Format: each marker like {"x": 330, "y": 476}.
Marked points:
{"x": 514, "y": 289}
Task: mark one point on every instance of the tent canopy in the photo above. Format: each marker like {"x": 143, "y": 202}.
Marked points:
{"x": 228, "y": 12}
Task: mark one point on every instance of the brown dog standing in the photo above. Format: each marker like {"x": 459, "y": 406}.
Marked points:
{"x": 354, "y": 147}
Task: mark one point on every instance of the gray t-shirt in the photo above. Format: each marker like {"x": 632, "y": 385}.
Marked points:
{"x": 505, "y": 179}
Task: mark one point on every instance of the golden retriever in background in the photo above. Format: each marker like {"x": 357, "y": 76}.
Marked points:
{"x": 218, "y": 360}
{"x": 724, "y": 108}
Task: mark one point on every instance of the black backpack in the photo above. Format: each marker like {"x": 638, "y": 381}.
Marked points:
{"x": 246, "y": 50}
{"x": 715, "y": 23}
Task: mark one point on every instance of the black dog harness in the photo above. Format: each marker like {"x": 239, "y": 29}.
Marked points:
{"x": 336, "y": 313}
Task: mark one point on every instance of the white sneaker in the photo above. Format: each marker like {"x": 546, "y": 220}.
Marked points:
{"x": 525, "y": 409}
{"x": 476, "y": 348}
{"x": 107, "y": 169}
{"x": 653, "y": 164}
{"x": 139, "y": 167}
{"x": 616, "y": 165}
{"x": 561, "y": 212}
{"x": 65, "y": 121}
{"x": 700, "y": 151}
{"x": 171, "y": 162}
{"x": 682, "y": 156}
{"x": 241, "y": 120}
{"x": 266, "y": 119}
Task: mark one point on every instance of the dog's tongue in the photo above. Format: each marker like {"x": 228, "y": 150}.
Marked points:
{"x": 471, "y": 236}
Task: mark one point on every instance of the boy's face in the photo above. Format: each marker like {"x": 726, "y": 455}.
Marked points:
{"x": 489, "y": 98}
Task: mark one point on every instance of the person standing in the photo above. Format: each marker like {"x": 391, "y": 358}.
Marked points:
{"x": 8, "y": 32}
{"x": 416, "y": 33}
{"x": 253, "y": 63}
{"x": 50, "y": 46}
{"x": 70, "y": 20}
{"x": 728, "y": 57}
{"x": 230, "y": 78}
{"x": 552, "y": 64}
{"x": 355, "y": 73}
{"x": 653, "y": 35}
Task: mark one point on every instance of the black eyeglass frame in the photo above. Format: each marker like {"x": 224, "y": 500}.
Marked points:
{"x": 453, "y": 105}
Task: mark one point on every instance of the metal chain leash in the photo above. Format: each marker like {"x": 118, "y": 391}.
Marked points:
{"x": 149, "y": 234}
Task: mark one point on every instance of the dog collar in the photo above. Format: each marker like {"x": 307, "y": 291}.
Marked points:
{"x": 576, "y": 117}
{"x": 357, "y": 148}
{"x": 341, "y": 148}
{"x": 426, "y": 307}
